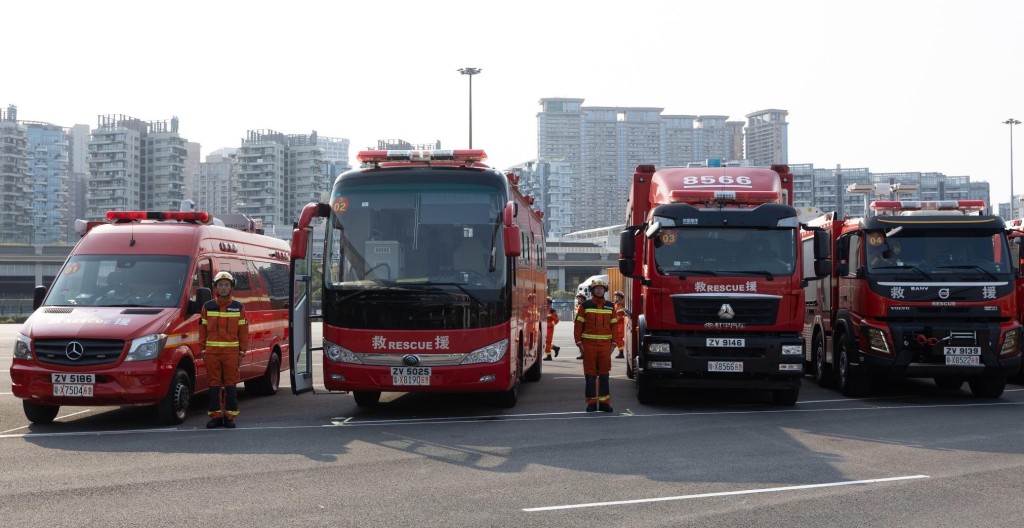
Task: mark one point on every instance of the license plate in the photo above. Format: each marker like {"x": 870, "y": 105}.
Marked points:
{"x": 64, "y": 389}
{"x": 731, "y": 342}
{"x": 962, "y": 351}
{"x": 963, "y": 360}
{"x": 410, "y": 375}
{"x": 72, "y": 378}
{"x": 725, "y": 366}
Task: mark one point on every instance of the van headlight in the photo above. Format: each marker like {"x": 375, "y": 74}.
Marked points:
{"x": 489, "y": 354}
{"x": 22, "y": 346}
{"x": 146, "y": 347}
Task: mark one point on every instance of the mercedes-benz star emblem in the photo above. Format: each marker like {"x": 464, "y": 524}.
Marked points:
{"x": 74, "y": 350}
{"x": 410, "y": 360}
{"x": 725, "y": 312}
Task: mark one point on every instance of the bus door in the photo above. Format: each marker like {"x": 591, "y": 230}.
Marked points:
{"x": 300, "y": 318}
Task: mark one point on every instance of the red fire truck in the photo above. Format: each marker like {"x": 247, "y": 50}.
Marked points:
{"x": 714, "y": 290}
{"x": 120, "y": 325}
{"x": 433, "y": 279}
{"x": 919, "y": 289}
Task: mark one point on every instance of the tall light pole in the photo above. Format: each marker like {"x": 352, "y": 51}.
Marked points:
{"x": 1011, "y": 121}
{"x": 470, "y": 72}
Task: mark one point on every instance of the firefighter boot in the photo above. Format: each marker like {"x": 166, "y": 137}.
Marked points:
{"x": 604, "y": 407}
{"x": 214, "y": 409}
{"x": 620, "y": 355}
{"x": 547, "y": 357}
{"x": 231, "y": 404}
{"x": 556, "y": 348}
{"x": 590, "y": 392}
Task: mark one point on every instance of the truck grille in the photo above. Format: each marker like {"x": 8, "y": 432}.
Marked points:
{"x": 697, "y": 311}
{"x": 94, "y": 351}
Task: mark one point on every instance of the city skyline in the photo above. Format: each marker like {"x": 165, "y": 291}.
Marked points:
{"x": 898, "y": 86}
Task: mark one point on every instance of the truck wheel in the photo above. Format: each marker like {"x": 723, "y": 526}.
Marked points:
{"x": 630, "y": 373}
{"x": 509, "y": 398}
{"x": 39, "y": 414}
{"x": 267, "y": 384}
{"x": 822, "y": 370}
{"x": 366, "y": 398}
{"x": 949, "y": 383}
{"x": 646, "y": 392}
{"x": 173, "y": 408}
{"x": 988, "y": 385}
{"x": 786, "y": 396}
{"x": 851, "y": 383}
{"x": 533, "y": 373}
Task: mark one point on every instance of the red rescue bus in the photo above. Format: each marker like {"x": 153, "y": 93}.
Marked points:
{"x": 432, "y": 279}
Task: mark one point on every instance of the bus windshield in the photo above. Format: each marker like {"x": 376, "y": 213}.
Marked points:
{"x": 726, "y": 251}
{"x": 155, "y": 281}
{"x": 400, "y": 248}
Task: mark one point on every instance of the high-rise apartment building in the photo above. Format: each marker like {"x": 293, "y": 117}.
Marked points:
{"x": 214, "y": 188}
{"x": 336, "y": 159}
{"x": 193, "y": 158}
{"x": 278, "y": 175}
{"x": 135, "y": 165}
{"x": 16, "y": 180}
{"x": 48, "y": 159}
{"x": 767, "y": 138}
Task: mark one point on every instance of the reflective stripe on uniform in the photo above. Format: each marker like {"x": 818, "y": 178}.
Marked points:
{"x": 222, "y": 343}
{"x": 597, "y": 336}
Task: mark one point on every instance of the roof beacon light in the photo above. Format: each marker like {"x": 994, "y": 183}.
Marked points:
{"x": 181, "y": 216}
{"x": 421, "y": 156}
{"x": 894, "y": 206}
{"x": 733, "y": 197}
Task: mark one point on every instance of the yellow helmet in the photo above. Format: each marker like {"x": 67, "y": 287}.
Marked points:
{"x": 224, "y": 276}
{"x": 598, "y": 282}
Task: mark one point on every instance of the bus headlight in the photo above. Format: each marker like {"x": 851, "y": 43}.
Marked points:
{"x": 1010, "y": 343}
{"x": 146, "y": 347}
{"x": 339, "y": 354}
{"x": 489, "y": 354}
{"x": 22, "y": 346}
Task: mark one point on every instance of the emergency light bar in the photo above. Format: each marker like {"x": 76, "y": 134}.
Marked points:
{"x": 894, "y": 206}
{"x": 379, "y": 156}
{"x": 184, "y": 216}
{"x": 736, "y": 197}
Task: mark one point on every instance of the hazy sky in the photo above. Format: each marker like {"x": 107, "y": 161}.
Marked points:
{"x": 890, "y": 85}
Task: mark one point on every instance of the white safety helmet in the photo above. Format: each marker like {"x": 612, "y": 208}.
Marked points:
{"x": 224, "y": 276}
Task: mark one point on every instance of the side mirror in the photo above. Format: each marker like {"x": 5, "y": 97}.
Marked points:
{"x": 822, "y": 245}
{"x": 300, "y": 240}
{"x": 652, "y": 229}
{"x": 627, "y": 266}
{"x": 822, "y": 267}
{"x": 627, "y": 243}
{"x": 203, "y": 296}
{"x": 37, "y": 297}
{"x": 513, "y": 245}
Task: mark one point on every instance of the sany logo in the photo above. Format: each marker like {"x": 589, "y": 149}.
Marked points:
{"x": 380, "y": 342}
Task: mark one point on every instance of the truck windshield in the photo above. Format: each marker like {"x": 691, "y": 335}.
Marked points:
{"x": 412, "y": 251}
{"x": 726, "y": 251}
{"x": 115, "y": 280}
{"x": 940, "y": 255}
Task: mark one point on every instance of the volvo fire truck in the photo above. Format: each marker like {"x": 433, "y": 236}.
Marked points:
{"x": 432, "y": 278}
{"x": 714, "y": 270}
{"x": 919, "y": 289}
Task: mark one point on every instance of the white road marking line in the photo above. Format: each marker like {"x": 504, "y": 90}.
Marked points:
{"x": 55, "y": 419}
{"x": 726, "y": 493}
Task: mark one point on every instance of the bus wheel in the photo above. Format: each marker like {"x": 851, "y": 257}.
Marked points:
{"x": 366, "y": 398}
{"x": 173, "y": 408}
{"x": 509, "y": 398}
{"x": 988, "y": 385}
{"x": 39, "y": 414}
{"x": 267, "y": 384}
{"x": 629, "y": 368}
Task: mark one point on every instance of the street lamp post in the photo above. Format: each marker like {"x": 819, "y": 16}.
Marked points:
{"x": 470, "y": 72}
{"x": 1011, "y": 121}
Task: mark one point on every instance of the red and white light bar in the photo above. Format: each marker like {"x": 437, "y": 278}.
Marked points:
{"x": 380, "y": 156}
{"x": 736, "y": 197}
{"x": 966, "y": 206}
{"x": 185, "y": 216}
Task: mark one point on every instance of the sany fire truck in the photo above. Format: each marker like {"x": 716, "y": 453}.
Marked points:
{"x": 714, "y": 291}
{"x": 920, "y": 289}
{"x": 433, "y": 279}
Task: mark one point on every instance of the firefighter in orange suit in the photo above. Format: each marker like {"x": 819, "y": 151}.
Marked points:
{"x": 595, "y": 326}
{"x": 552, "y": 321}
{"x": 223, "y": 340}
{"x": 620, "y": 314}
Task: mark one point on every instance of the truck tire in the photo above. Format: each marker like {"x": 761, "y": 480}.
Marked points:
{"x": 630, "y": 373}
{"x": 267, "y": 384}
{"x": 534, "y": 372}
{"x": 949, "y": 383}
{"x": 786, "y": 397}
{"x": 646, "y": 392}
{"x": 366, "y": 398}
{"x": 173, "y": 408}
{"x": 39, "y": 414}
{"x": 851, "y": 382}
{"x": 988, "y": 385}
{"x": 823, "y": 375}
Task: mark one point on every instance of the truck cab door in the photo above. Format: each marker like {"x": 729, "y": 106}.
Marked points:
{"x": 300, "y": 320}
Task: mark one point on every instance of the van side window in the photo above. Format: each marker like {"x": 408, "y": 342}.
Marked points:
{"x": 202, "y": 278}
{"x": 275, "y": 276}
{"x": 241, "y": 275}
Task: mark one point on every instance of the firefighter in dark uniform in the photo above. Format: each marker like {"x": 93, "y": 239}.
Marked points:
{"x": 620, "y": 313}
{"x": 223, "y": 340}
{"x": 595, "y": 326}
